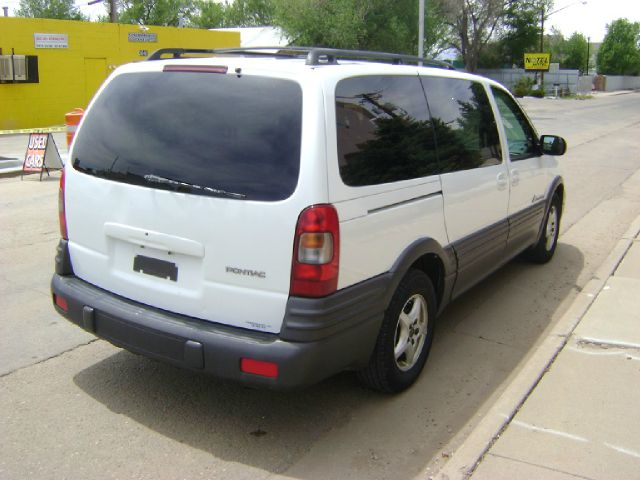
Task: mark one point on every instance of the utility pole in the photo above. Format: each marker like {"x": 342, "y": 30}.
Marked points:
{"x": 542, "y": 43}
{"x": 113, "y": 11}
{"x": 113, "y": 8}
{"x": 542, "y": 15}
{"x": 420, "y": 30}
{"x": 586, "y": 72}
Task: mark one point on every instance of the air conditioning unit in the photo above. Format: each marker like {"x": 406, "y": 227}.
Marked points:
{"x": 13, "y": 68}
{"x": 6, "y": 68}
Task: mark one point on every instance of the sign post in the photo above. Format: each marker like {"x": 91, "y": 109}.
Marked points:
{"x": 42, "y": 155}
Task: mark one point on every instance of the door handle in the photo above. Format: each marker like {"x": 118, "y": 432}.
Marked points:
{"x": 502, "y": 181}
{"x": 515, "y": 177}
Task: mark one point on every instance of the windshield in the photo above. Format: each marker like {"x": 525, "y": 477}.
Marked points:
{"x": 239, "y": 135}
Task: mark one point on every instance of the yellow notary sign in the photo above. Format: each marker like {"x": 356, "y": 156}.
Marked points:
{"x": 537, "y": 61}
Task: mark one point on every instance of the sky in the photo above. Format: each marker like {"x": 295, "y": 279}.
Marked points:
{"x": 590, "y": 19}
{"x": 570, "y": 15}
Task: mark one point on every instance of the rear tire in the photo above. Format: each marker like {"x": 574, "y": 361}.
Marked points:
{"x": 543, "y": 251}
{"x": 405, "y": 337}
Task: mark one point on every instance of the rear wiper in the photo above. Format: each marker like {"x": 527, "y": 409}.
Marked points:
{"x": 168, "y": 181}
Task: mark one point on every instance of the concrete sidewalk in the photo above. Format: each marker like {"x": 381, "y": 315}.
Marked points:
{"x": 572, "y": 410}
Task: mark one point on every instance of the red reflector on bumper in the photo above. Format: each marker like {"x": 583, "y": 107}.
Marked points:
{"x": 256, "y": 367}
{"x": 61, "y": 302}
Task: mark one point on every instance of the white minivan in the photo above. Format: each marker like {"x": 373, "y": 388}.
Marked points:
{"x": 277, "y": 216}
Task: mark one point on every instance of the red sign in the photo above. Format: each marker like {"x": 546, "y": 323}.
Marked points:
{"x": 36, "y": 150}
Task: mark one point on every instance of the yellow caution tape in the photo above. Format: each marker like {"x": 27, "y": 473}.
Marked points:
{"x": 55, "y": 129}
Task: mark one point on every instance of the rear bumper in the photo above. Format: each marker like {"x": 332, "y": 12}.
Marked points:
{"x": 319, "y": 337}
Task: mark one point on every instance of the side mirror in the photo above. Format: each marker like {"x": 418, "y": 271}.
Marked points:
{"x": 553, "y": 145}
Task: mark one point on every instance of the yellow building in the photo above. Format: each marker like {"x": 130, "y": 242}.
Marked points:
{"x": 72, "y": 59}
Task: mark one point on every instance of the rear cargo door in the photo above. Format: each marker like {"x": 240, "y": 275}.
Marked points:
{"x": 180, "y": 193}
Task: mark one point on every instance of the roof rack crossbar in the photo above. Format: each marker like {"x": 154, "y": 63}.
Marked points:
{"x": 312, "y": 55}
{"x": 315, "y": 55}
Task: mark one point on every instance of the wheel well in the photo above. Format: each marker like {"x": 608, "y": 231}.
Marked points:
{"x": 434, "y": 269}
{"x": 560, "y": 192}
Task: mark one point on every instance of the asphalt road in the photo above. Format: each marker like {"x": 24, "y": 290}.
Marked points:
{"x": 77, "y": 408}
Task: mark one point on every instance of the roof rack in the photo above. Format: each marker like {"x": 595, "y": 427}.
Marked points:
{"x": 313, "y": 55}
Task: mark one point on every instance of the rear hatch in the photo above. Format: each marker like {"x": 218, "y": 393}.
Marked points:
{"x": 180, "y": 196}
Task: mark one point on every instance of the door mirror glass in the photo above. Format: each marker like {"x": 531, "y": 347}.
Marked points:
{"x": 553, "y": 145}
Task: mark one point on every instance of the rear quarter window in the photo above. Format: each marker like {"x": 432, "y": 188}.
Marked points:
{"x": 383, "y": 129}
{"x": 230, "y": 133}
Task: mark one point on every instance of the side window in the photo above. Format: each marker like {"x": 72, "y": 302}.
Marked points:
{"x": 466, "y": 131}
{"x": 521, "y": 137}
{"x": 383, "y": 129}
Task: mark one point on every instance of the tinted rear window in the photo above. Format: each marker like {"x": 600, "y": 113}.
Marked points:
{"x": 238, "y": 134}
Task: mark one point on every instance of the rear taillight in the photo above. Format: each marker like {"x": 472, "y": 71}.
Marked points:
{"x": 316, "y": 252}
{"x": 62, "y": 216}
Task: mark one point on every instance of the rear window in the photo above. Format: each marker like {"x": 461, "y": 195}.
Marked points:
{"x": 202, "y": 133}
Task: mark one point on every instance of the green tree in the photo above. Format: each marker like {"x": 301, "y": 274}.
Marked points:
{"x": 518, "y": 33}
{"x": 494, "y": 33}
{"x": 520, "y": 29}
{"x": 58, "y": 9}
{"x": 359, "y": 24}
{"x": 472, "y": 24}
{"x": 619, "y": 53}
{"x": 556, "y": 45}
{"x": 436, "y": 31}
{"x": 240, "y": 13}
{"x": 207, "y": 14}
{"x": 155, "y": 12}
{"x": 576, "y": 52}
{"x": 249, "y": 13}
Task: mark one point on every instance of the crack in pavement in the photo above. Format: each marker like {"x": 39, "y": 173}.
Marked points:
{"x": 6, "y": 374}
{"x": 542, "y": 467}
{"x": 605, "y": 344}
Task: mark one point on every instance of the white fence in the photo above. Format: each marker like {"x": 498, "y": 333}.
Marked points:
{"x": 614, "y": 82}
{"x": 564, "y": 80}
{"x": 585, "y": 84}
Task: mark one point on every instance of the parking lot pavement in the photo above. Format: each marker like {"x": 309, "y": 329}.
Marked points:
{"x": 30, "y": 330}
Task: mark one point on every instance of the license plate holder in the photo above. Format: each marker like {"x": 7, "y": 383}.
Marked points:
{"x": 155, "y": 267}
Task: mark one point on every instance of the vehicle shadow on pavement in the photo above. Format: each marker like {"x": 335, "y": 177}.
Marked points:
{"x": 480, "y": 341}
{"x": 266, "y": 429}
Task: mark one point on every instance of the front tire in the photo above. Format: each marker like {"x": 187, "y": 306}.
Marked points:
{"x": 543, "y": 251}
{"x": 405, "y": 337}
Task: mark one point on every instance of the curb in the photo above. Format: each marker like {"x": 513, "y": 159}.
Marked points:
{"x": 464, "y": 461}
{"x": 10, "y": 171}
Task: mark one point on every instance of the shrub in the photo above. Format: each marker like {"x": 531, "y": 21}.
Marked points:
{"x": 539, "y": 93}
{"x": 522, "y": 87}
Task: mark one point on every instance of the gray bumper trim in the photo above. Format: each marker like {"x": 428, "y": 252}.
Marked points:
{"x": 217, "y": 349}
{"x": 312, "y": 319}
